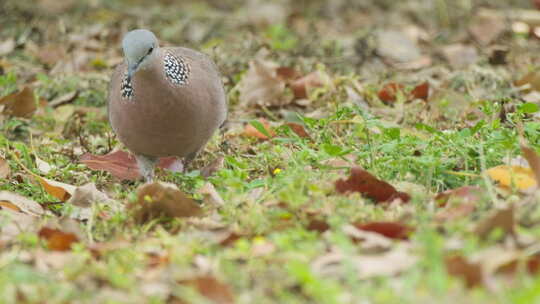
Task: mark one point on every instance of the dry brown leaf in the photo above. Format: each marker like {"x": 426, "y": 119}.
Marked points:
{"x": 391, "y": 230}
{"x": 14, "y": 223}
{"x": 303, "y": 85}
{"x": 470, "y": 272}
{"x": 261, "y": 85}
{"x": 57, "y": 239}
{"x": 251, "y": 131}
{"x": 212, "y": 289}
{"x": 502, "y": 219}
{"x": 20, "y": 104}
{"x": 529, "y": 82}
{"x": 365, "y": 183}
{"x": 298, "y": 129}
{"x": 4, "y": 168}
{"x": 86, "y": 195}
{"x": 459, "y": 55}
{"x": 214, "y": 166}
{"x": 59, "y": 190}
{"x": 123, "y": 165}
{"x": 50, "y": 54}
{"x": 163, "y": 199}
{"x": 487, "y": 28}
{"x": 211, "y": 196}
{"x": 532, "y": 158}
{"x": 63, "y": 99}
{"x": 508, "y": 176}
{"x": 21, "y": 203}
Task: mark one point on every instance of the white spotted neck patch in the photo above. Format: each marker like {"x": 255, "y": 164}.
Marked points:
{"x": 176, "y": 69}
{"x": 126, "y": 88}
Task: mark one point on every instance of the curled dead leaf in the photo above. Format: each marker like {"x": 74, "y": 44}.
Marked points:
{"x": 57, "y": 239}
{"x": 209, "y": 287}
{"x": 392, "y": 230}
{"x": 470, "y": 272}
{"x": 4, "y": 168}
{"x": 163, "y": 199}
{"x": 508, "y": 176}
{"x": 59, "y": 190}
{"x": 261, "y": 85}
{"x": 365, "y": 183}
{"x": 20, "y": 104}
{"x": 259, "y": 129}
{"x": 123, "y": 165}
{"x": 502, "y": 219}
{"x": 20, "y": 203}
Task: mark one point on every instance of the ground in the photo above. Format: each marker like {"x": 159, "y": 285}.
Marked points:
{"x": 374, "y": 152}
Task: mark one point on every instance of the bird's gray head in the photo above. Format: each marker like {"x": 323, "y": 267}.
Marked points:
{"x": 139, "y": 46}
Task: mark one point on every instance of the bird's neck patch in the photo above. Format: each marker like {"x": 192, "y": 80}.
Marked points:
{"x": 176, "y": 69}
{"x": 126, "y": 88}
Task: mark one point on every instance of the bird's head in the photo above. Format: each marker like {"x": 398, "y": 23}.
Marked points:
{"x": 138, "y": 46}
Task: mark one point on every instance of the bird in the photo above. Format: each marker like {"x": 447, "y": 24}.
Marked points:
{"x": 164, "y": 101}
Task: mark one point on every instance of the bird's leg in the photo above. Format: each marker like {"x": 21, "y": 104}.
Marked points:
{"x": 146, "y": 166}
{"x": 187, "y": 160}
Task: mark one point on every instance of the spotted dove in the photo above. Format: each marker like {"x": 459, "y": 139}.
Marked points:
{"x": 164, "y": 101}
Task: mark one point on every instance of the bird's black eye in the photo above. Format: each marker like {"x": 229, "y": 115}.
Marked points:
{"x": 150, "y": 50}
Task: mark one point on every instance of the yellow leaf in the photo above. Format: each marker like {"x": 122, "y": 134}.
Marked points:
{"x": 508, "y": 176}
{"x": 57, "y": 189}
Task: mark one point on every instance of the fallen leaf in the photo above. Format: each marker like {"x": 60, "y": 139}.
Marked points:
{"x": 15, "y": 223}
{"x": 502, "y": 219}
{"x": 365, "y": 183}
{"x": 20, "y": 203}
{"x": 287, "y": 73}
{"x": 532, "y": 158}
{"x": 392, "y": 230}
{"x": 59, "y": 190}
{"x": 43, "y": 166}
{"x": 4, "y": 168}
{"x": 298, "y": 129}
{"x": 317, "y": 225}
{"x": 461, "y": 195}
{"x": 86, "y": 195}
{"x": 123, "y": 165}
{"x": 397, "y": 46}
{"x": 386, "y": 264}
{"x": 212, "y": 167}
{"x": 7, "y": 46}
{"x": 64, "y": 99}
{"x": 50, "y": 54}
{"x": 368, "y": 241}
{"x": 421, "y": 91}
{"x": 529, "y": 82}
{"x": 302, "y": 85}
{"x": 57, "y": 239}
{"x": 389, "y": 92}
{"x": 451, "y": 213}
{"x": 120, "y": 164}
{"x": 211, "y": 196}
{"x": 210, "y": 288}
{"x": 261, "y": 85}
{"x": 163, "y": 199}
{"x": 507, "y": 176}
{"x": 459, "y": 55}
{"x": 460, "y": 267}
{"x": 259, "y": 129}
{"x": 20, "y": 104}
{"x": 486, "y": 28}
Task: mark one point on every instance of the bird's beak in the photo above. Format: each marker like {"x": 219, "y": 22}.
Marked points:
{"x": 132, "y": 68}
